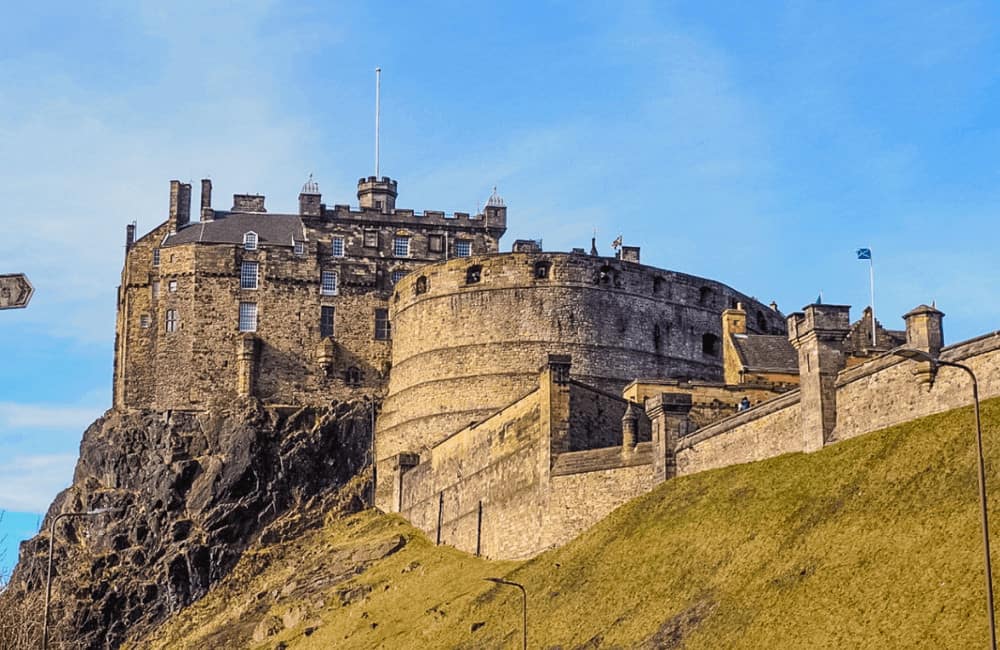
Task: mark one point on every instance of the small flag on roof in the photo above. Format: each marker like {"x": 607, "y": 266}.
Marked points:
{"x": 617, "y": 242}
{"x": 864, "y": 253}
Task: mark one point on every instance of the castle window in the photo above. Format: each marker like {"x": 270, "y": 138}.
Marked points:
{"x": 144, "y": 321}
{"x": 371, "y": 238}
{"x": 542, "y": 270}
{"x": 337, "y": 247}
{"x": 172, "y": 286}
{"x": 248, "y": 275}
{"x": 401, "y": 246}
{"x": 383, "y": 329}
{"x": 421, "y": 285}
{"x": 156, "y": 257}
{"x": 156, "y": 289}
{"x": 657, "y": 285}
{"x": 378, "y": 205}
{"x": 173, "y": 322}
{"x": 397, "y": 276}
{"x": 435, "y": 243}
{"x": 473, "y": 274}
{"x": 328, "y": 283}
{"x": 352, "y": 377}
{"x": 300, "y": 248}
{"x": 248, "y": 317}
{"x": 657, "y": 337}
{"x": 463, "y": 248}
{"x": 604, "y": 276}
{"x": 250, "y": 241}
{"x": 704, "y": 296}
{"x": 710, "y": 345}
{"x": 326, "y": 318}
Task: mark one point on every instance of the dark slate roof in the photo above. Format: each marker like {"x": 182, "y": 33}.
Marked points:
{"x": 767, "y": 352}
{"x": 229, "y": 228}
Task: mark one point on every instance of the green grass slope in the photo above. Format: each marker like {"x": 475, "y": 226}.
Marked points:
{"x": 870, "y": 543}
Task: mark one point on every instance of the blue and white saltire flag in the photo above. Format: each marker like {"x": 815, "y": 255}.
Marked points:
{"x": 864, "y": 253}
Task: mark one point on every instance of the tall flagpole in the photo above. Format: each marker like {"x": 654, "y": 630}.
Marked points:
{"x": 378, "y": 92}
{"x": 871, "y": 279}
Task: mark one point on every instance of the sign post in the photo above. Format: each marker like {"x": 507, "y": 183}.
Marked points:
{"x": 15, "y": 291}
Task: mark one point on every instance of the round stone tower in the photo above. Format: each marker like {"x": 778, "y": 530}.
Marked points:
{"x": 470, "y": 334}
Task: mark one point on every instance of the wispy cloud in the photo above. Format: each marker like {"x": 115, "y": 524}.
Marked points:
{"x": 46, "y": 416}
{"x": 28, "y": 483}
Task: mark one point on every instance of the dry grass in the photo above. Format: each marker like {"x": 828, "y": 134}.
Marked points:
{"x": 871, "y": 543}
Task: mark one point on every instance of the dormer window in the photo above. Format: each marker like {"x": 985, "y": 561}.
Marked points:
{"x": 250, "y": 241}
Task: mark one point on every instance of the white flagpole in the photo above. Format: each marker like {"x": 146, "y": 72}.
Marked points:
{"x": 378, "y": 92}
{"x": 871, "y": 279}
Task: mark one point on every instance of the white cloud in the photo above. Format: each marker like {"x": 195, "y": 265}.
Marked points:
{"x": 15, "y": 415}
{"x": 29, "y": 483}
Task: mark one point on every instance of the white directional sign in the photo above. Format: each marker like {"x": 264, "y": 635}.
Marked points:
{"x": 15, "y": 291}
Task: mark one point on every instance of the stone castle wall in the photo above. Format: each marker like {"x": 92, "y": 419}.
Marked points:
{"x": 463, "y": 349}
{"x": 195, "y": 360}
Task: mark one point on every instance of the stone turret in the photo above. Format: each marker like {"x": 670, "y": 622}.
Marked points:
{"x": 310, "y": 199}
{"x": 377, "y": 194}
{"x": 818, "y": 335}
{"x": 630, "y": 429}
{"x": 924, "y": 330}
{"x": 669, "y": 416}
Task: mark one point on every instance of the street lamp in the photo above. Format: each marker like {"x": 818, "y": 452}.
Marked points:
{"x": 48, "y": 576}
{"x": 919, "y": 355}
{"x": 524, "y": 607}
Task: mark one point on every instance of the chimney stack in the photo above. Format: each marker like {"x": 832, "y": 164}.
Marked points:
{"x": 207, "y": 213}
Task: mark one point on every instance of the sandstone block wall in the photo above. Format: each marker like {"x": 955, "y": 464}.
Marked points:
{"x": 889, "y": 390}
{"x": 454, "y": 338}
{"x": 710, "y": 401}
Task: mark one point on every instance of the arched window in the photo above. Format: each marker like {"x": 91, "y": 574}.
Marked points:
{"x": 421, "y": 285}
{"x": 250, "y": 241}
{"x": 710, "y": 345}
{"x": 473, "y": 274}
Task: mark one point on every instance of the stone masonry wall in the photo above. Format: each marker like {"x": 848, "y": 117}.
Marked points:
{"x": 889, "y": 390}
{"x": 768, "y": 430}
{"x": 488, "y": 338}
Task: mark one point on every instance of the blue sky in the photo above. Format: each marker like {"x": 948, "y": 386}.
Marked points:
{"x": 757, "y": 143}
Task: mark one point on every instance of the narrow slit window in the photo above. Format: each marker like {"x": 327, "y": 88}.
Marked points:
{"x": 382, "y": 327}
{"x": 326, "y": 319}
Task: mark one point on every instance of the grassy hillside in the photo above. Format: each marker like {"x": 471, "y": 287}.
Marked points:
{"x": 870, "y": 543}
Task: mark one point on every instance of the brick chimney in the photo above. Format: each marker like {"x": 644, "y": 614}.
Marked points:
{"x": 207, "y": 213}
{"x": 180, "y": 205}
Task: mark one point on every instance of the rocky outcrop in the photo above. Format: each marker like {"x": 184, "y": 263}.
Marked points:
{"x": 187, "y": 493}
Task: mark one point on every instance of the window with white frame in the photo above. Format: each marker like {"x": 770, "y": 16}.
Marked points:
{"x": 250, "y": 241}
{"x": 463, "y": 248}
{"x": 337, "y": 247}
{"x": 144, "y": 321}
{"x": 248, "y": 275}
{"x": 401, "y": 246}
{"x": 300, "y": 248}
{"x": 328, "y": 283}
{"x": 173, "y": 321}
{"x": 156, "y": 257}
{"x": 248, "y": 317}
{"x": 172, "y": 286}
{"x": 397, "y": 276}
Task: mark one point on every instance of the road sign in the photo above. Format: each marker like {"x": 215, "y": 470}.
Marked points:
{"x": 15, "y": 291}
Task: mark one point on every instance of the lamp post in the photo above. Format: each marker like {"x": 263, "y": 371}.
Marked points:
{"x": 524, "y": 607}
{"x": 48, "y": 575}
{"x": 920, "y": 355}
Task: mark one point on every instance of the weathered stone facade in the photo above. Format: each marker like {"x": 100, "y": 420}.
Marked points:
{"x": 312, "y": 290}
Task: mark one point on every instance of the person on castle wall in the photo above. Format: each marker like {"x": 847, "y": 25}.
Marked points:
{"x": 744, "y": 404}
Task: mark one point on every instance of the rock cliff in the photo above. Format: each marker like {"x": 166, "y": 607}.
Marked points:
{"x": 186, "y": 493}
